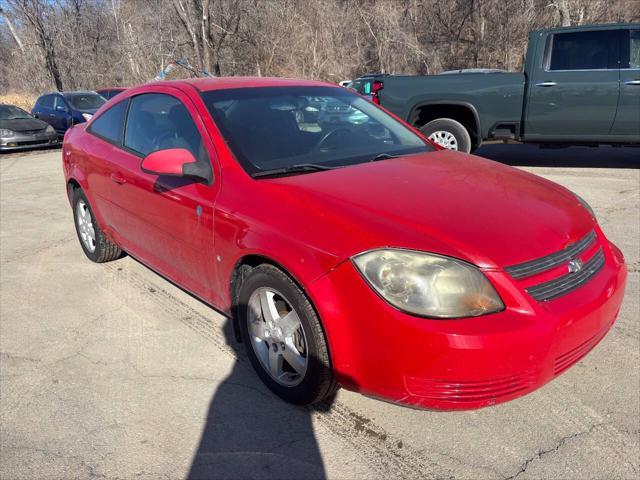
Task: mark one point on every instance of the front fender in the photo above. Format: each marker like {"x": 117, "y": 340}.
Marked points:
{"x": 235, "y": 242}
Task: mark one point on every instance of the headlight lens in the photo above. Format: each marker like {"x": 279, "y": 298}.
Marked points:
{"x": 50, "y": 129}
{"x": 6, "y": 133}
{"x": 584, "y": 203}
{"x": 87, "y": 116}
{"x": 428, "y": 285}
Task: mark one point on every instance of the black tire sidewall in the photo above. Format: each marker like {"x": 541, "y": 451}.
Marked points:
{"x": 452, "y": 126}
{"x": 315, "y": 385}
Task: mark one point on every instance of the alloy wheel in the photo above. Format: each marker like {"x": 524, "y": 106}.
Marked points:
{"x": 277, "y": 336}
{"x": 85, "y": 226}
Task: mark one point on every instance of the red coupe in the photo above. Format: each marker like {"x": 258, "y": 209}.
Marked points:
{"x": 347, "y": 248}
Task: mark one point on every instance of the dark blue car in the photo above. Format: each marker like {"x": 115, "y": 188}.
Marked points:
{"x": 62, "y": 110}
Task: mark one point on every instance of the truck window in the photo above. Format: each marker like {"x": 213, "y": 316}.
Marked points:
{"x": 634, "y": 49}
{"x": 592, "y": 50}
{"x": 355, "y": 85}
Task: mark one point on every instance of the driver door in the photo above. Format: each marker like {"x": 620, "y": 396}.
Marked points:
{"x": 167, "y": 222}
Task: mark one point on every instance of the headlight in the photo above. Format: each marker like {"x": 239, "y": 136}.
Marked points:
{"x": 50, "y": 129}
{"x": 4, "y": 133}
{"x": 87, "y": 116}
{"x": 428, "y": 285}
{"x": 584, "y": 203}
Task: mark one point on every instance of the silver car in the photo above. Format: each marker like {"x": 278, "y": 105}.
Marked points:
{"x": 20, "y": 130}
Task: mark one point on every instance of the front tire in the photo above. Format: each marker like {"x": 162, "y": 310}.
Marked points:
{"x": 95, "y": 245}
{"x": 283, "y": 337}
{"x": 448, "y": 133}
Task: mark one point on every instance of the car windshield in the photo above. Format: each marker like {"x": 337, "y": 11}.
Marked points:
{"x": 11, "y": 112}
{"x": 85, "y": 101}
{"x": 277, "y": 128}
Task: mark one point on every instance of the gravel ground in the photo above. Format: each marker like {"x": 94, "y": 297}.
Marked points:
{"x": 110, "y": 371}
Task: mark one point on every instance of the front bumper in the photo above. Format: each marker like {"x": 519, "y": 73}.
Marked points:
{"x": 24, "y": 141}
{"x": 465, "y": 363}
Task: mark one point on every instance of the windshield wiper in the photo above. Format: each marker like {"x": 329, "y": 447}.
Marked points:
{"x": 300, "y": 167}
{"x": 383, "y": 156}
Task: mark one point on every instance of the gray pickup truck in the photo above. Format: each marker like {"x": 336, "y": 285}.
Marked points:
{"x": 580, "y": 86}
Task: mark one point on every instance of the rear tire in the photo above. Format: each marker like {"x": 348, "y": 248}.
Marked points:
{"x": 95, "y": 245}
{"x": 448, "y": 133}
{"x": 268, "y": 283}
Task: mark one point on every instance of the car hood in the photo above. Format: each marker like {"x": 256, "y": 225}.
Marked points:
{"x": 446, "y": 202}
{"x": 23, "y": 124}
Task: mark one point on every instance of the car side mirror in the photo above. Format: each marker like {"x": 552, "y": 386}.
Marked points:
{"x": 61, "y": 108}
{"x": 175, "y": 162}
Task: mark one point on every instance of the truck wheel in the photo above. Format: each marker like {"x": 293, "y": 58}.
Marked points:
{"x": 448, "y": 133}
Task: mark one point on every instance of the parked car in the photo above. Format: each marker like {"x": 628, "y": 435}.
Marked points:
{"x": 19, "y": 130}
{"x": 109, "y": 93}
{"x": 62, "y": 110}
{"x": 364, "y": 84}
{"x": 580, "y": 85}
{"x": 351, "y": 254}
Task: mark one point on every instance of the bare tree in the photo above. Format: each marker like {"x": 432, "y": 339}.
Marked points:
{"x": 94, "y": 43}
{"x": 14, "y": 34}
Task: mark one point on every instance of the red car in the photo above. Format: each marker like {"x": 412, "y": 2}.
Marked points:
{"x": 347, "y": 249}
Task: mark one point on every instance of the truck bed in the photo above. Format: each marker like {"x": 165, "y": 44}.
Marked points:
{"x": 496, "y": 98}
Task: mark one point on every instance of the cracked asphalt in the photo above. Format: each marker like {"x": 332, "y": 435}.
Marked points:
{"x": 110, "y": 371}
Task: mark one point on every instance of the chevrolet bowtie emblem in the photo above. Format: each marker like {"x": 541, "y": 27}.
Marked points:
{"x": 575, "y": 265}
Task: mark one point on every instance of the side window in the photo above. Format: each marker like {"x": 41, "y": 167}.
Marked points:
{"x": 366, "y": 87}
{"x": 157, "y": 122}
{"x": 595, "y": 50}
{"x": 356, "y": 85}
{"x": 46, "y": 102}
{"x": 110, "y": 124}
{"x": 633, "y": 45}
{"x": 58, "y": 101}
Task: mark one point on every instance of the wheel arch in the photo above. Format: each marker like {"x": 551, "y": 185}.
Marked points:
{"x": 464, "y": 112}
{"x": 72, "y": 185}
{"x": 239, "y": 272}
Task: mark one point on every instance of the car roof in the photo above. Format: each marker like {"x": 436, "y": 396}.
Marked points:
{"x": 66, "y": 93}
{"x": 222, "y": 83}
{"x": 81, "y": 92}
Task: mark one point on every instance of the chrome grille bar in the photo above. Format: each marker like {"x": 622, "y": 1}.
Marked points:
{"x": 541, "y": 264}
{"x": 564, "y": 284}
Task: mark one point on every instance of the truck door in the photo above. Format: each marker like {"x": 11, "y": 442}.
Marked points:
{"x": 574, "y": 86}
{"x": 627, "y": 121}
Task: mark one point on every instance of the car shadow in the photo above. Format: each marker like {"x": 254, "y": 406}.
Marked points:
{"x": 522, "y": 155}
{"x": 251, "y": 433}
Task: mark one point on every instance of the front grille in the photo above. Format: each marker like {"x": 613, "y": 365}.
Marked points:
{"x": 541, "y": 264}
{"x": 32, "y": 142}
{"x": 31, "y": 132}
{"x": 462, "y": 392}
{"x": 564, "y": 284}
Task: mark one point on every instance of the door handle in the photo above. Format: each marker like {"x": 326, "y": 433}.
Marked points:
{"x": 632, "y": 82}
{"x": 545, "y": 84}
{"x": 118, "y": 178}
